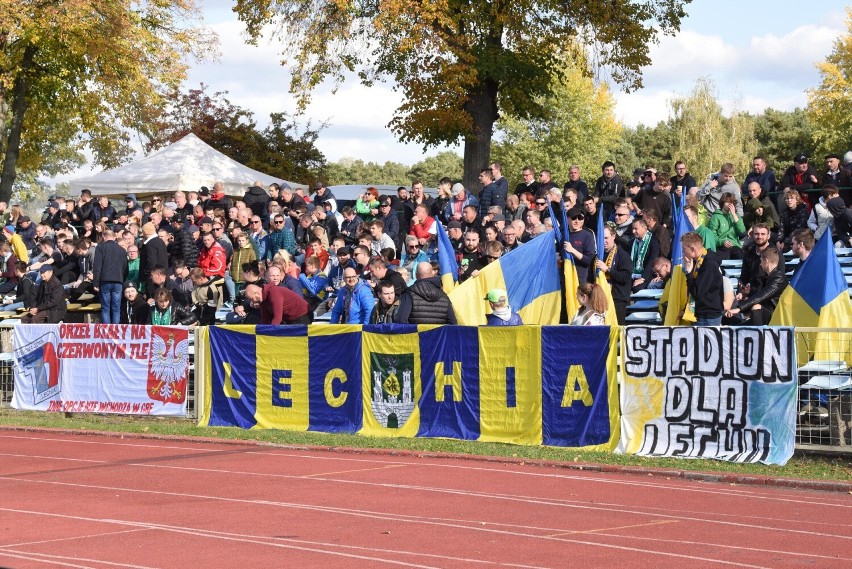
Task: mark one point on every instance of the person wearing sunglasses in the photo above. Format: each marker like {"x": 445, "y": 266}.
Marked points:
{"x": 580, "y": 244}
{"x": 279, "y": 238}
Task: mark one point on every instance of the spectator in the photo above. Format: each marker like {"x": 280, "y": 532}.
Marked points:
{"x": 759, "y": 306}
{"x": 820, "y": 218}
{"x": 716, "y": 185}
{"x": 759, "y": 210}
{"x": 682, "y": 181}
{"x": 384, "y": 312}
{"x": 593, "y": 306}
{"x": 313, "y": 282}
{"x": 608, "y": 188}
{"x": 704, "y": 281}
{"x": 793, "y": 217}
{"x": 728, "y": 228}
{"x": 842, "y": 221}
{"x": 581, "y": 245}
{"x": 109, "y": 272}
{"x": 501, "y": 312}
{"x": 658, "y": 199}
{"x": 616, "y": 268}
{"x": 460, "y": 199}
{"x": 491, "y": 194}
{"x": 367, "y": 204}
{"x": 660, "y": 231}
{"x": 49, "y": 303}
{"x": 425, "y": 302}
{"x": 545, "y": 183}
{"x": 19, "y": 249}
{"x": 662, "y": 273}
{"x": 644, "y": 250}
{"x": 378, "y": 238}
{"x": 514, "y": 208}
{"x": 212, "y": 259}
{"x": 134, "y": 309}
{"x": 763, "y": 176}
{"x": 25, "y": 290}
{"x": 800, "y": 177}
{"x": 381, "y": 272}
{"x": 279, "y": 238}
{"x": 206, "y": 296}
{"x": 354, "y": 301}
{"x": 165, "y": 312}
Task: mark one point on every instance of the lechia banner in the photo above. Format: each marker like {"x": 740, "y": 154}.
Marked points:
{"x": 704, "y": 392}
{"x": 101, "y": 368}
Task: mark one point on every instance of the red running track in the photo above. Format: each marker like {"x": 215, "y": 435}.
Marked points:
{"x": 98, "y": 502}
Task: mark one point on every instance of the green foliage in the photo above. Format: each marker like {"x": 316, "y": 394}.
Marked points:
{"x": 829, "y": 104}
{"x": 652, "y": 147}
{"x": 460, "y": 65}
{"x": 280, "y": 149}
{"x": 579, "y": 128}
{"x": 349, "y": 171}
{"x": 433, "y": 168}
{"x": 781, "y": 135}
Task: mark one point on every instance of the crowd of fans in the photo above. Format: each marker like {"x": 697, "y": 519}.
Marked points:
{"x": 284, "y": 256}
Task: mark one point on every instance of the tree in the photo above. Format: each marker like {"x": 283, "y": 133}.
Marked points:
{"x": 349, "y": 171}
{"x": 783, "y": 134}
{"x": 459, "y": 64}
{"x": 87, "y": 72}
{"x": 705, "y": 139}
{"x": 433, "y": 168}
{"x": 829, "y": 104}
{"x": 652, "y": 148}
{"x": 578, "y": 127}
{"x": 280, "y": 149}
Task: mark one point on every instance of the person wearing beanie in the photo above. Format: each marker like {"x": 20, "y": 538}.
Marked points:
{"x": 134, "y": 308}
{"x": 19, "y": 248}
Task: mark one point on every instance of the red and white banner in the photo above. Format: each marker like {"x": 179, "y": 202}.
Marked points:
{"x": 101, "y": 368}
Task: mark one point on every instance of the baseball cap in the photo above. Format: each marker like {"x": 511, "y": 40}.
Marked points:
{"x": 457, "y": 189}
{"x": 342, "y": 251}
{"x": 833, "y": 155}
{"x": 638, "y": 171}
{"x": 285, "y": 186}
{"x": 454, "y": 224}
{"x": 495, "y": 294}
{"x": 53, "y": 204}
{"x": 800, "y": 159}
{"x": 651, "y": 170}
{"x": 319, "y": 185}
{"x": 498, "y": 217}
{"x": 10, "y": 228}
{"x": 45, "y": 268}
{"x": 130, "y": 284}
{"x": 205, "y": 220}
{"x": 205, "y": 191}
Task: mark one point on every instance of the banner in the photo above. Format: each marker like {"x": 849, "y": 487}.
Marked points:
{"x": 706, "y": 392}
{"x": 517, "y": 384}
{"x": 101, "y": 368}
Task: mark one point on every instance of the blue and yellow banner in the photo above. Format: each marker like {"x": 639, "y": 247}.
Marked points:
{"x": 532, "y": 385}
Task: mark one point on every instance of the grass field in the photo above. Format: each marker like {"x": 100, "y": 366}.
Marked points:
{"x": 802, "y": 466}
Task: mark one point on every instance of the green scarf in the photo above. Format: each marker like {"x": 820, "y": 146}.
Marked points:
{"x": 161, "y": 318}
{"x": 638, "y": 252}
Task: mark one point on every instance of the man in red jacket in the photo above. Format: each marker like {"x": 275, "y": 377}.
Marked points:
{"x": 278, "y": 304}
{"x": 212, "y": 259}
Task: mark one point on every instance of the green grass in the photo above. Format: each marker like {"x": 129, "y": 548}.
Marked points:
{"x": 801, "y": 466}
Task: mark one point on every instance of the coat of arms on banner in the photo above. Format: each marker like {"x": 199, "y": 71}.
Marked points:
{"x": 392, "y": 388}
{"x": 169, "y": 364}
{"x": 39, "y": 360}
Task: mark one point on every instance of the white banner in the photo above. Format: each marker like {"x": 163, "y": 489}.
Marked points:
{"x": 101, "y": 368}
{"x": 703, "y": 392}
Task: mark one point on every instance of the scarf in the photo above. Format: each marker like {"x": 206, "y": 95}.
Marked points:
{"x": 610, "y": 257}
{"x": 503, "y": 313}
{"x": 161, "y": 318}
{"x": 698, "y": 262}
{"x": 638, "y": 252}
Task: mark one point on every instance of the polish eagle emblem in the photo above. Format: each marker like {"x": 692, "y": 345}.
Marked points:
{"x": 168, "y": 367}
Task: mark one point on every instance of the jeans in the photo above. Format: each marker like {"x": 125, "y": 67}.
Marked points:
{"x": 230, "y": 287}
{"x": 110, "y": 303}
{"x": 708, "y": 321}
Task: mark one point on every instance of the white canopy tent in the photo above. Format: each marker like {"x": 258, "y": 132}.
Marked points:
{"x": 185, "y": 165}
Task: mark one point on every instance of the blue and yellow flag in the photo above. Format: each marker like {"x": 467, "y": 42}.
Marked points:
{"x": 569, "y": 269}
{"x": 675, "y": 296}
{"x": 447, "y": 260}
{"x": 818, "y": 296}
{"x": 600, "y": 279}
{"x": 529, "y": 275}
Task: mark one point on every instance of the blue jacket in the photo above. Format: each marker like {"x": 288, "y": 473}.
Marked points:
{"x": 493, "y": 194}
{"x": 514, "y": 320}
{"x": 469, "y": 199}
{"x": 360, "y": 306}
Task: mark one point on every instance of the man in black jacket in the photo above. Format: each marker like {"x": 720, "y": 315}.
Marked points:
{"x": 425, "y": 302}
{"x": 257, "y": 200}
{"x": 152, "y": 253}
{"x": 762, "y": 302}
{"x": 703, "y": 280}
{"x": 49, "y": 304}
{"x": 109, "y": 273}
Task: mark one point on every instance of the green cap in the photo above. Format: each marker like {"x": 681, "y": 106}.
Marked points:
{"x": 495, "y": 294}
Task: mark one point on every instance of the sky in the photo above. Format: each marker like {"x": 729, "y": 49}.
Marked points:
{"x": 759, "y": 53}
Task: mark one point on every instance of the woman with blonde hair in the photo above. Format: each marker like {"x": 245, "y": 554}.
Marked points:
{"x": 593, "y": 306}
{"x": 283, "y": 259}
{"x": 321, "y": 234}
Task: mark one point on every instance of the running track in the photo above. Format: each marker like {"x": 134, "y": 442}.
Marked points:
{"x": 100, "y": 502}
